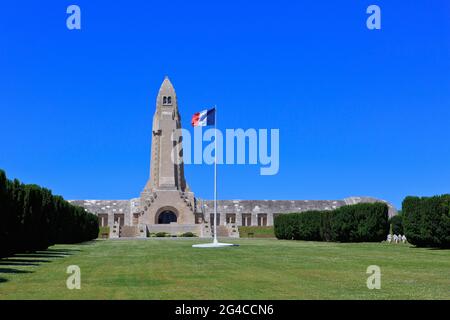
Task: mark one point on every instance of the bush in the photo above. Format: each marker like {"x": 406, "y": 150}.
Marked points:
{"x": 33, "y": 219}
{"x": 354, "y": 223}
{"x": 426, "y": 221}
{"x": 161, "y": 234}
{"x": 188, "y": 234}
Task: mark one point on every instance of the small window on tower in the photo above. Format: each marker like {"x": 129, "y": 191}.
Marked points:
{"x": 167, "y": 100}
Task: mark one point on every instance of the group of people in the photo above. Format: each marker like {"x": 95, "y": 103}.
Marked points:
{"x": 396, "y": 238}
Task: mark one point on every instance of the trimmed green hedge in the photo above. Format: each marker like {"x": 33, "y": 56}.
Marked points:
{"x": 162, "y": 234}
{"x": 188, "y": 234}
{"x": 34, "y": 219}
{"x": 426, "y": 220}
{"x": 364, "y": 222}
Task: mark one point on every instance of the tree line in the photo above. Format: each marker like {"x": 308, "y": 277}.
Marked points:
{"x": 32, "y": 218}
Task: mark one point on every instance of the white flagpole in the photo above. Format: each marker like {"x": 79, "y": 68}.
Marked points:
{"x": 215, "y": 243}
{"x": 215, "y": 174}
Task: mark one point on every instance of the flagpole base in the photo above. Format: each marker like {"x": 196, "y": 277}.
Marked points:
{"x": 214, "y": 245}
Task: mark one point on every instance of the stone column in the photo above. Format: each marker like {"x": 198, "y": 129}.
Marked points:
{"x": 223, "y": 218}
{"x": 128, "y": 214}
{"x": 254, "y": 219}
{"x": 239, "y": 219}
{"x": 270, "y": 219}
{"x": 110, "y": 219}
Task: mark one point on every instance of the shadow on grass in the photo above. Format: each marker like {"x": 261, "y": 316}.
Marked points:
{"x": 429, "y": 248}
{"x": 17, "y": 264}
{"x": 41, "y": 255}
{"x": 13, "y": 259}
{"x": 58, "y": 251}
{"x": 87, "y": 243}
{"x": 4, "y": 270}
{"x": 36, "y": 257}
{"x": 22, "y": 262}
{"x": 31, "y": 259}
{"x": 49, "y": 253}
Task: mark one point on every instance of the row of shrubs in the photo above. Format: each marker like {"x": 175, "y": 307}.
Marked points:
{"x": 364, "y": 222}
{"x": 32, "y": 218}
{"x": 165, "y": 234}
{"x": 426, "y": 220}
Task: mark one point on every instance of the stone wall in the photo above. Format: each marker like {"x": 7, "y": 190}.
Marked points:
{"x": 270, "y": 208}
{"x": 252, "y": 210}
{"x": 112, "y": 208}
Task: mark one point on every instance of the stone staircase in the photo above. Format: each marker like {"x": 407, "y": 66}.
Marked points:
{"x": 223, "y": 231}
{"x": 139, "y": 231}
{"x": 129, "y": 231}
{"x": 233, "y": 230}
{"x": 206, "y": 230}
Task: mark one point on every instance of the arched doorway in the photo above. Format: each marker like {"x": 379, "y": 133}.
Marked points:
{"x": 167, "y": 217}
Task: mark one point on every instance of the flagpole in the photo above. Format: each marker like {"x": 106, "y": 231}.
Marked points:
{"x": 215, "y": 174}
{"x": 216, "y": 243}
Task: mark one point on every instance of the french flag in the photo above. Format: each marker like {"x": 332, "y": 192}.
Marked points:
{"x": 204, "y": 118}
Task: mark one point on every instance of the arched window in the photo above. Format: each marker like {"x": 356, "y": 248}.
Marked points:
{"x": 164, "y": 100}
{"x": 169, "y": 100}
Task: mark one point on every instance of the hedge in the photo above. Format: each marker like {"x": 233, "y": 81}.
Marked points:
{"x": 188, "y": 235}
{"x": 366, "y": 222}
{"x": 426, "y": 221}
{"x": 32, "y": 218}
{"x": 362, "y": 222}
{"x": 284, "y": 226}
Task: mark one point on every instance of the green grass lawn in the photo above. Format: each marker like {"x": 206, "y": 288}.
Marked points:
{"x": 256, "y": 232}
{"x": 257, "y": 269}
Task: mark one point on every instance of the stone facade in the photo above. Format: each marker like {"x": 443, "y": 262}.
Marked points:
{"x": 167, "y": 204}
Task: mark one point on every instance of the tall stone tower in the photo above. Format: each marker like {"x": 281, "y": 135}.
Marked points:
{"x": 166, "y": 198}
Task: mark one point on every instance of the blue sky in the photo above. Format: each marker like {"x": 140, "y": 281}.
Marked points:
{"x": 360, "y": 112}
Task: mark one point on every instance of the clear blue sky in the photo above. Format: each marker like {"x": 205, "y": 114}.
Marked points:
{"x": 360, "y": 112}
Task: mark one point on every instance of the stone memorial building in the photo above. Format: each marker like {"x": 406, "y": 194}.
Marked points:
{"x": 167, "y": 204}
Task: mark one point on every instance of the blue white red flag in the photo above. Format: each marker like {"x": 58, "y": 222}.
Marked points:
{"x": 204, "y": 118}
